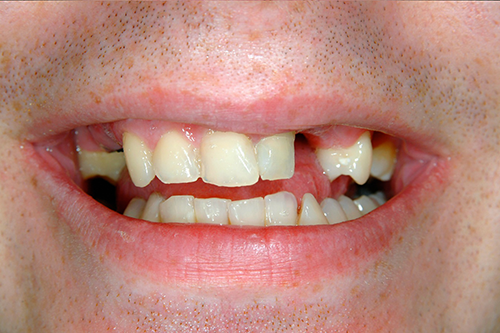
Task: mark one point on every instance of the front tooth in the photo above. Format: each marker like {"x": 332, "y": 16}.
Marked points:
{"x": 310, "y": 211}
{"x": 152, "y": 209}
{"x": 175, "y": 160}
{"x": 333, "y": 211}
{"x": 138, "y": 157}
{"x": 212, "y": 210}
{"x": 351, "y": 210}
{"x": 365, "y": 204}
{"x": 101, "y": 163}
{"x": 354, "y": 161}
{"x": 384, "y": 161}
{"x": 178, "y": 208}
{"x": 276, "y": 156}
{"x": 228, "y": 159}
{"x": 281, "y": 209}
{"x": 135, "y": 208}
{"x": 247, "y": 212}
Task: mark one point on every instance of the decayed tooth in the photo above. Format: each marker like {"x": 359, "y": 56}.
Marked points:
{"x": 276, "y": 156}
{"x": 135, "y": 208}
{"x": 333, "y": 211}
{"x": 178, "y": 208}
{"x": 351, "y": 210}
{"x": 228, "y": 159}
{"x": 281, "y": 209}
{"x": 212, "y": 210}
{"x": 379, "y": 198}
{"x": 152, "y": 209}
{"x": 175, "y": 159}
{"x": 354, "y": 161}
{"x": 101, "y": 163}
{"x": 247, "y": 212}
{"x": 310, "y": 211}
{"x": 365, "y": 204}
{"x": 138, "y": 157}
{"x": 384, "y": 161}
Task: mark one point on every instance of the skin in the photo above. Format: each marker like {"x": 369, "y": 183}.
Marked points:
{"x": 436, "y": 66}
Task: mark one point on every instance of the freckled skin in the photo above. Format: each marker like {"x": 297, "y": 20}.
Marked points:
{"x": 436, "y": 64}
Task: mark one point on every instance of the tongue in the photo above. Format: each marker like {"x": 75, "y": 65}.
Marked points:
{"x": 308, "y": 178}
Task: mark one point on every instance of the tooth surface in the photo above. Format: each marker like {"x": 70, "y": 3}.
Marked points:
{"x": 247, "y": 212}
{"x": 379, "y": 197}
{"x": 384, "y": 161}
{"x": 310, "y": 211}
{"x": 365, "y": 204}
{"x": 351, "y": 210}
{"x": 354, "y": 161}
{"x": 178, "y": 208}
{"x": 152, "y": 209}
{"x": 228, "y": 159}
{"x": 175, "y": 160}
{"x": 333, "y": 211}
{"x": 276, "y": 156}
{"x": 212, "y": 210}
{"x": 135, "y": 208}
{"x": 281, "y": 209}
{"x": 138, "y": 157}
{"x": 101, "y": 163}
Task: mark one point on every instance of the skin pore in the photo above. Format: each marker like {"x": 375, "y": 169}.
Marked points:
{"x": 428, "y": 73}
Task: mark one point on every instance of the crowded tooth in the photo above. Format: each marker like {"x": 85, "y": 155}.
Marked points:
{"x": 228, "y": 159}
{"x": 139, "y": 160}
{"x": 101, "y": 163}
{"x": 175, "y": 159}
{"x": 276, "y": 156}
{"x": 365, "y": 204}
{"x": 351, "y": 210}
{"x": 310, "y": 211}
{"x": 247, "y": 212}
{"x": 178, "y": 208}
{"x": 281, "y": 209}
{"x": 135, "y": 208}
{"x": 333, "y": 211}
{"x": 384, "y": 161}
{"x": 354, "y": 161}
{"x": 212, "y": 210}
{"x": 152, "y": 209}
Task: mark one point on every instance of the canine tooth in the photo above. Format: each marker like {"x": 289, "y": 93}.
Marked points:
{"x": 138, "y": 157}
{"x": 333, "y": 211}
{"x": 135, "y": 208}
{"x": 281, "y": 209}
{"x": 152, "y": 209}
{"x": 310, "y": 211}
{"x": 178, "y": 208}
{"x": 379, "y": 198}
{"x": 247, "y": 212}
{"x": 276, "y": 156}
{"x": 351, "y": 210}
{"x": 365, "y": 204}
{"x": 175, "y": 160}
{"x": 384, "y": 161}
{"x": 354, "y": 161}
{"x": 212, "y": 210}
{"x": 101, "y": 163}
{"x": 228, "y": 159}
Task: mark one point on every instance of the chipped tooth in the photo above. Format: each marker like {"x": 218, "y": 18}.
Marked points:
{"x": 276, "y": 156}
{"x": 178, "y": 208}
{"x": 333, "y": 211}
{"x": 351, "y": 210}
{"x": 138, "y": 157}
{"x": 247, "y": 212}
{"x": 384, "y": 161}
{"x": 212, "y": 210}
{"x": 152, "y": 209}
{"x": 310, "y": 211}
{"x": 135, "y": 208}
{"x": 101, "y": 163}
{"x": 228, "y": 159}
{"x": 354, "y": 161}
{"x": 281, "y": 209}
{"x": 365, "y": 204}
{"x": 379, "y": 198}
{"x": 175, "y": 159}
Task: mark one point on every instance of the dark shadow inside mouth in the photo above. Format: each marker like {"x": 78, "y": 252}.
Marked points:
{"x": 102, "y": 191}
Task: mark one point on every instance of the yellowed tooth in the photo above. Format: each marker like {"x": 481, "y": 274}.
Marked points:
{"x": 281, "y": 209}
{"x": 152, "y": 209}
{"x": 139, "y": 160}
{"x": 333, "y": 211}
{"x": 101, "y": 163}
{"x": 247, "y": 212}
{"x": 178, "y": 208}
{"x": 310, "y": 211}
{"x": 276, "y": 156}
{"x": 384, "y": 161}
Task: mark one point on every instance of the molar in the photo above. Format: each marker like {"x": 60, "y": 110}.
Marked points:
{"x": 139, "y": 160}
{"x": 101, "y": 163}
{"x": 276, "y": 156}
